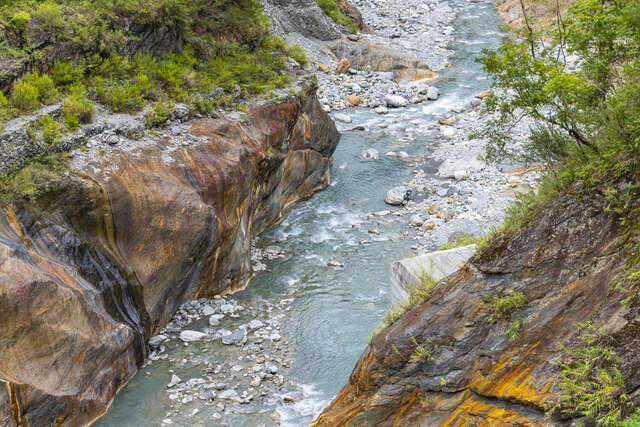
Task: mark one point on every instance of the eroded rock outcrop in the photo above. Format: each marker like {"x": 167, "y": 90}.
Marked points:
{"x": 567, "y": 265}
{"x": 99, "y": 263}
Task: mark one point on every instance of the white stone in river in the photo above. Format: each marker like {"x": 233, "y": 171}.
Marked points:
{"x": 432, "y": 93}
{"x": 345, "y": 118}
{"x": 381, "y": 110}
{"x": 174, "y": 380}
{"x": 369, "y": 155}
{"x": 395, "y": 101}
{"x": 215, "y": 319}
{"x": 447, "y": 130}
{"x": 403, "y": 155}
{"x": 230, "y": 394}
{"x": 207, "y": 310}
{"x": 190, "y": 336}
{"x": 415, "y": 220}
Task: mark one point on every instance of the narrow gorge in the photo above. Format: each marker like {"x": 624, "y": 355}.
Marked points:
{"x": 200, "y": 205}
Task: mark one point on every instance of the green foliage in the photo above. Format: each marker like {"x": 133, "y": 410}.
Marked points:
{"x": 502, "y": 305}
{"x": 159, "y": 114}
{"x": 590, "y": 380}
{"x": 464, "y": 240}
{"x": 333, "y": 11}
{"x": 632, "y": 420}
{"x": 3, "y": 101}
{"x": 63, "y": 74}
{"x": 422, "y": 353}
{"x": 77, "y": 108}
{"x": 47, "y": 92}
{"x": 513, "y": 331}
{"x": 125, "y": 98}
{"x": 31, "y": 181}
{"x": 295, "y": 52}
{"x": 50, "y": 130}
{"x": 586, "y": 120}
{"x": 25, "y": 97}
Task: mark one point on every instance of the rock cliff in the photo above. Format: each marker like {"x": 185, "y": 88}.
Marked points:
{"x": 100, "y": 262}
{"x": 448, "y": 362}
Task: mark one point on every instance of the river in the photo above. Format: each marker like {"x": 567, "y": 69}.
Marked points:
{"x": 333, "y": 310}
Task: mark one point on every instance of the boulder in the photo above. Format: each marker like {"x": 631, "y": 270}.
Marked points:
{"x": 343, "y": 66}
{"x": 354, "y": 99}
{"x": 190, "y": 336}
{"x": 395, "y": 101}
{"x": 397, "y": 195}
{"x": 369, "y": 155}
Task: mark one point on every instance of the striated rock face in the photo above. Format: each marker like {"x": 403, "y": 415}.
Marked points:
{"x": 539, "y": 14}
{"x": 566, "y": 264}
{"x": 99, "y": 264}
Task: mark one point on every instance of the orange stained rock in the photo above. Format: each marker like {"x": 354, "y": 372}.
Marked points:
{"x": 484, "y": 414}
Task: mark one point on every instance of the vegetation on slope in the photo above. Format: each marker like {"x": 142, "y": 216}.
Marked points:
{"x": 99, "y": 48}
{"x": 332, "y": 9}
{"x": 579, "y": 81}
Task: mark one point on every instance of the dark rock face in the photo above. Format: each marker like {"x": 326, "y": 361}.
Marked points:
{"x": 566, "y": 264}
{"x": 99, "y": 264}
{"x": 301, "y": 16}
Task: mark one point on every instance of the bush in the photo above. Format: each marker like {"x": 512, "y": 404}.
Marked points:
{"x": 25, "y": 96}
{"x": 126, "y": 98}
{"x": 298, "y": 55}
{"x": 159, "y": 114}
{"x": 32, "y": 180}
{"x": 422, "y": 352}
{"x": 50, "y": 130}
{"x": 63, "y": 74}
{"x": 3, "y": 101}
{"x": 502, "y": 306}
{"x": 590, "y": 380}
{"x": 77, "y": 106}
{"x": 47, "y": 92}
{"x": 333, "y": 11}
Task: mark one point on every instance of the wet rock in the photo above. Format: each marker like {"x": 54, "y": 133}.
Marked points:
{"x": 397, "y": 195}
{"x": 235, "y": 338}
{"x": 369, "y": 155}
{"x": 227, "y": 308}
{"x": 174, "y": 381}
{"x": 432, "y": 93}
{"x": 272, "y": 369}
{"x": 381, "y": 110}
{"x": 230, "y": 394}
{"x": 416, "y": 220}
{"x": 255, "y": 324}
{"x": 335, "y": 264}
{"x": 215, "y": 319}
{"x": 207, "y": 310}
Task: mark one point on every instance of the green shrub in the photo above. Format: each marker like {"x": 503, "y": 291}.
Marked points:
{"x": 590, "y": 380}
{"x": 159, "y": 114}
{"x": 501, "y": 306}
{"x": 422, "y": 352}
{"x": 3, "y": 101}
{"x": 464, "y": 240}
{"x": 34, "y": 179}
{"x": 47, "y": 92}
{"x": 333, "y": 11}
{"x": 298, "y": 55}
{"x": 513, "y": 331}
{"x": 126, "y": 98}
{"x": 50, "y": 130}
{"x": 25, "y": 96}
{"x": 71, "y": 122}
{"x": 77, "y": 106}
{"x": 632, "y": 420}
{"x": 51, "y": 15}
{"x": 63, "y": 74}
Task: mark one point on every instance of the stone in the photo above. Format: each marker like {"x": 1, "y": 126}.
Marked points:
{"x": 428, "y": 226}
{"x": 154, "y": 342}
{"x": 344, "y": 118}
{"x": 353, "y": 37}
{"x": 432, "y": 93}
{"x": 174, "y": 381}
{"x": 272, "y": 369}
{"x": 354, "y": 99}
{"x": 207, "y": 310}
{"x": 484, "y": 94}
{"x": 395, "y": 101}
{"x": 191, "y": 336}
{"x": 227, "y": 308}
{"x": 397, "y": 195}
{"x": 381, "y": 110}
{"x": 455, "y": 168}
{"x": 415, "y": 220}
{"x": 230, "y": 394}
{"x": 323, "y": 68}
{"x": 256, "y": 381}
{"x": 288, "y": 399}
{"x": 215, "y": 319}
{"x": 433, "y": 209}
{"x": 446, "y": 121}
{"x": 255, "y": 324}
{"x": 235, "y": 338}
{"x": 369, "y": 155}
{"x": 209, "y": 395}
{"x": 343, "y": 66}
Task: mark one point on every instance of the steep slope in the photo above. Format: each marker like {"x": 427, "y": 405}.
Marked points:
{"x": 449, "y": 361}
{"x": 96, "y": 265}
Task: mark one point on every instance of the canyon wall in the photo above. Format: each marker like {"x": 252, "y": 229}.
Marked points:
{"x": 94, "y": 267}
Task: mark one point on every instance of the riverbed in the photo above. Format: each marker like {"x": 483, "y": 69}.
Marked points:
{"x": 327, "y": 287}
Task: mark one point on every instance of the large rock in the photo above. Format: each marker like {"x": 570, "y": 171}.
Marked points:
{"x": 395, "y": 101}
{"x": 397, "y": 195}
{"x": 301, "y": 16}
{"x": 97, "y": 265}
{"x": 366, "y": 56}
{"x": 567, "y": 264}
